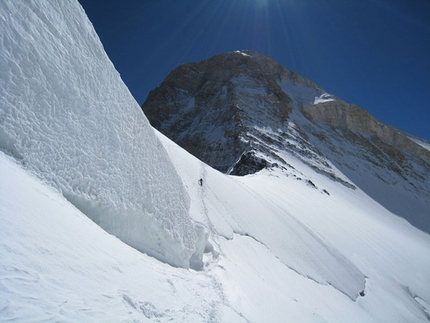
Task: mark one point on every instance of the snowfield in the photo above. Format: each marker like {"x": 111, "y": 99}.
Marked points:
{"x": 245, "y": 212}
{"x": 333, "y": 223}
{"x": 58, "y": 265}
{"x": 101, "y": 217}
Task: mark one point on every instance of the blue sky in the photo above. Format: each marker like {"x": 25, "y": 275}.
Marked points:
{"x": 374, "y": 53}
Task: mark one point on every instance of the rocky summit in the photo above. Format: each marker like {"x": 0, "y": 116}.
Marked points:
{"x": 241, "y": 112}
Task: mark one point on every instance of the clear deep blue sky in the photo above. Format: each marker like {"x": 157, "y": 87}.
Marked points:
{"x": 374, "y": 53}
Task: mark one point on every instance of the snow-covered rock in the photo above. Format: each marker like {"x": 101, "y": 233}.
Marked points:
{"x": 67, "y": 116}
{"x": 242, "y": 113}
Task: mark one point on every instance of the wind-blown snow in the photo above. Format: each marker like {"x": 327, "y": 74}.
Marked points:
{"x": 68, "y": 117}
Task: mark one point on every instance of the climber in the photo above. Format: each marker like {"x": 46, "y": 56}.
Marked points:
{"x": 201, "y": 181}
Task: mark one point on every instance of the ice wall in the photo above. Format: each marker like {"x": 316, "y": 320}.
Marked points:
{"x": 67, "y": 115}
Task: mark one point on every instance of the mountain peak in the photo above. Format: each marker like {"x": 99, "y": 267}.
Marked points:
{"x": 210, "y": 106}
{"x": 241, "y": 112}
{"x": 216, "y": 109}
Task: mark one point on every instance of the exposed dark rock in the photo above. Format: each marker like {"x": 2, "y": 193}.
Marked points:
{"x": 248, "y": 163}
{"x": 311, "y": 184}
{"x": 210, "y": 106}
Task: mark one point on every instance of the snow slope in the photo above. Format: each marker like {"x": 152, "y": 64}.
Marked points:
{"x": 237, "y": 210}
{"x": 284, "y": 246}
{"x": 68, "y": 117}
{"x": 393, "y": 255}
{"x": 58, "y": 265}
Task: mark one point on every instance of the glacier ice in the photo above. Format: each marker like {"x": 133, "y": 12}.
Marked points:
{"x": 68, "y": 117}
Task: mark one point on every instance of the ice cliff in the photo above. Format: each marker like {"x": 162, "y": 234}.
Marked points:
{"x": 67, "y": 116}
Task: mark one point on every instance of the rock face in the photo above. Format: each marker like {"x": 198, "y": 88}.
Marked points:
{"x": 241, "y": 112}
{"x": 349, "y": 117}
{"x": 209, "y": 107}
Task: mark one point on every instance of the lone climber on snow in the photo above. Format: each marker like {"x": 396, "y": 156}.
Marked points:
{"x": 201, "y": 181}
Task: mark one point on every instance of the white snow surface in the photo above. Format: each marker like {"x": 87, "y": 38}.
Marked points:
{"x": 423, "y": 143}
{"x": 325, "y": 97}
{"x": 68, "y": 117}
{"x": 241, "y": 53}
{"x": 57, "y": 265}
{"x": 279, "y": 249}
{"x": 289, "y": 240}
{"x": 277, "y": 225}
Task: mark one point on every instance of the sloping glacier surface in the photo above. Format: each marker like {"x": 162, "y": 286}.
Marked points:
{"x": 66, "y": 115}
{"x": 228, "y": 209}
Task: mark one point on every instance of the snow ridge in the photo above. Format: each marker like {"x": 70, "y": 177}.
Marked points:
{"x": 67, "y": 116}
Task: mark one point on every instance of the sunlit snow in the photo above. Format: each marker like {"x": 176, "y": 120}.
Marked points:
{"x": 325, "y": 97}
{"x": 68, "y": 117}
{"x": 74, "y": 144}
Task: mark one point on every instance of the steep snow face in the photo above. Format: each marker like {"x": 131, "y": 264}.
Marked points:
{"x": 68, "y": 117}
